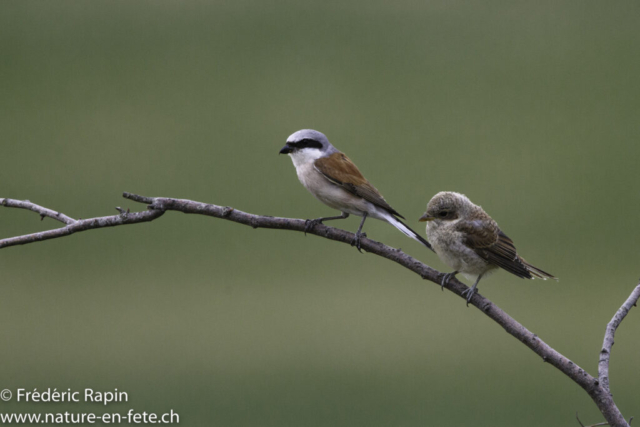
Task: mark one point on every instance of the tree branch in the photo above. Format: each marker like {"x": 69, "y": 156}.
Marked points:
{"x": 612, "y": 326}
{"x": 73, "y": 226}
{"x": 25, "y": 204}
{"x": 598, "y": 390}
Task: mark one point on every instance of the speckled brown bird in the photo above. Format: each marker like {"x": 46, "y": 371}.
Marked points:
{"x": 468, "y": 240}
{"x": 333, "y": 179}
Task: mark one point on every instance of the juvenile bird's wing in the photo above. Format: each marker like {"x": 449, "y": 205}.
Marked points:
{"x": 341, "y": 171}
{"x": 489, "y": 242}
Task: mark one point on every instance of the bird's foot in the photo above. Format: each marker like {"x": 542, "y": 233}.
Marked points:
{"x": 446, "y": 278}
{"x": 357, "y": 242}
{"x": 469, "y": 293}
{"x": 309, "y": 224}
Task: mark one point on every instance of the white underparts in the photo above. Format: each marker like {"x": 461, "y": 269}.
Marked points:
{"x": 305, "y": 156}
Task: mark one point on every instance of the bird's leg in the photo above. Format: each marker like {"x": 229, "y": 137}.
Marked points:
{"x": 448, "y": 277}
{"x": 470, "y": 291}
{"x": 310, "y": 223}
{"x": 359, "y": 234}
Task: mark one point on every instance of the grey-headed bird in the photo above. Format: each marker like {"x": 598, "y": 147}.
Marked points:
{"x": 333, "y": 179}
{"x": 468, "y": 240}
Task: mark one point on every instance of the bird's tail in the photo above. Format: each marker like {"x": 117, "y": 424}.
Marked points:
{"x": 536, "y": 272}
{"x": 406, "y": 230}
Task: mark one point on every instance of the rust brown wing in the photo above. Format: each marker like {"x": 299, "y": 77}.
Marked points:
{"x": 487, "y": 240}
{"x": 340, "y": 170}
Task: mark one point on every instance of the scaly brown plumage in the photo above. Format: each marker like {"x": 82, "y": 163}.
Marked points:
{"x": 467, "y": 239}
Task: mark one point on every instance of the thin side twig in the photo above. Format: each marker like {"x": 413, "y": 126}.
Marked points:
{"x": 83, "y": 225}
{"x": 591, "y": 425}
{"x": 610, "y": 332}
{"x": 44, "y": 212}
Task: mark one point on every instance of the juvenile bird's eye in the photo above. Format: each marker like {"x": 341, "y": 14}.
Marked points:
{"x": 442, "y": 214}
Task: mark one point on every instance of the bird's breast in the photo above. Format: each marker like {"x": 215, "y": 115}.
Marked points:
{"x": 451, "y": 249}
{"x": 331, "y": 194}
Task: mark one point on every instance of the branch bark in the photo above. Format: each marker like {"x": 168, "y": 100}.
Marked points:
{"x": 597, "y": 388}
{"x": 72, "y": 225}
{"x": 44, "y": 212}
{"x": 612, "y": 326}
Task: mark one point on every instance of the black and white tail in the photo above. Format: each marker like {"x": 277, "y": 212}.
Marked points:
{"x": 406, "y": 230}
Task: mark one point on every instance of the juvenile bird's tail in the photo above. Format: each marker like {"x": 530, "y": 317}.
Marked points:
{"x": 536, "y": 272}
{"x": 407, "y": 231}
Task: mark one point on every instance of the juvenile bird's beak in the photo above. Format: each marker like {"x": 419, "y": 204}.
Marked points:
{"x": 426, "y": 217}
{"x": 286, "y": 149}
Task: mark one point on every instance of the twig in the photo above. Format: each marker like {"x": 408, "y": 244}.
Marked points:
{"x": 158, "y": 205}
{"x": 612, "y": 326}
{"x": 77, "y": 225}
{"x": 592, "y": 425}
{"x": 580, "y": 422}
{"x": 44, "y": 212}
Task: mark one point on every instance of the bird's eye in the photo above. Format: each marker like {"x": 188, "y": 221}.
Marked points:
{"x": 442, "y": 214}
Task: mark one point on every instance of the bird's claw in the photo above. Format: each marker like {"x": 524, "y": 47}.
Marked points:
{"x": 469, "y": 293}
{"x": 357, "y": 242}
{"x": 446, "y": 279}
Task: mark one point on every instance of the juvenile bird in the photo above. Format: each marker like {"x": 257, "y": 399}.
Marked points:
{"x": 333, "y": 179}
{"x": 468, "y": 240}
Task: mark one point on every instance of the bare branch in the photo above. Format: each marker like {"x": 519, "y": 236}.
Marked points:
{"x": 158, "y": 205}
{"x": 138, "y": 198}
{"x": 592, "y": 425}
{"x": 26, "y": 204}
{"x": 598, "y": 424}
{"x": 580, "y": 422}
{"x": 612, "y": 326}
{"x": 83, "y": 225}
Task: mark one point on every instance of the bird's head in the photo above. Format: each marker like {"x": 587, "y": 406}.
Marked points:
{"x": 307, "y": 145}
{"x": 447, "y": 206}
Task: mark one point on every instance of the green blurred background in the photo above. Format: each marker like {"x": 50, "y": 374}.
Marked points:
{"x": 530, "y": 108}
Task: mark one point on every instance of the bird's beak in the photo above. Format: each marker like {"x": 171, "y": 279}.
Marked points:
{"x": 426, "y": 217}
{"x": 286, "y": 149}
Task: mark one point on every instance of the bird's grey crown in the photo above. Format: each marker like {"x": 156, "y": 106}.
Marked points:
{"x": 314, "y": 135}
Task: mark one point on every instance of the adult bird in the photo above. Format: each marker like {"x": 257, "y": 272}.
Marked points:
{"x": 335, "y": 180}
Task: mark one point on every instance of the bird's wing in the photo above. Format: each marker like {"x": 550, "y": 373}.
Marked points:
{"x": 489, "y": 242}
{"x": 341, "y": 171}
